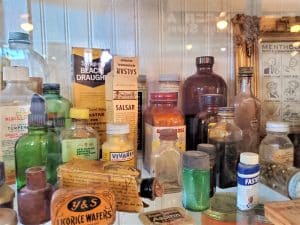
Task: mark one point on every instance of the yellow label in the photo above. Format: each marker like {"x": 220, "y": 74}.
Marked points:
{"x": 83, "y": 207}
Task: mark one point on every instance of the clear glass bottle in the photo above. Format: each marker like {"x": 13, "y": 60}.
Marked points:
{"x": 117, "y": 147}
{"x": 57, "y": 107}
{"x": 166, "y": 162}
{"x": 162, "y": 113}
{"x": 247, "y": 111}
{"x": 227, "y": 137}
{"x": 204, "y": 81}
{"x": 80, "y": 140}
{"x": 142, "y": 105}
{"x": 39, "y": 147}
{"x": 21, "y": 53}
{"x": 15, "y": 101}
{"x": 276, "y": 147}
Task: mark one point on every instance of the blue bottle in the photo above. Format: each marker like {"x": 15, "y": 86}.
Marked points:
{"x": 247, "y": 188}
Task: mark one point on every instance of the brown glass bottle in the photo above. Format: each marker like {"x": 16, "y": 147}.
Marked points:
{"x": 34, "y": 199}
{"x": 204, "y": 81}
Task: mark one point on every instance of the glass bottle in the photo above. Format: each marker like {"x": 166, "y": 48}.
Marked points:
{"x": 117, "y": 147}
{"x": 57, "y": 107}
{"x": 204, "y": 81}
{"x": 166, "y": 162}
{"x": 15, "y": 101}
{"x": 247, "y": 111}
{"x": 21, "y": 53}
{"x": 142, "y": 104}
{"x": 162, "y": 113}
{"x": 227, "y": 137}
{"x": 37, "y": 193}
{"x": 195, "y": 180}
{"x": 276, "y": 147}
{"x": 80, "y": 140}
{"x": 39, "y": 147}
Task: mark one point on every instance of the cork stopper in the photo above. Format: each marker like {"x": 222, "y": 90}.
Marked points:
{"x": 204, "y": 60}
{"x": 195, "y": 160}
{"x": 36, "y": 178}
{"x": 168, "y": 134}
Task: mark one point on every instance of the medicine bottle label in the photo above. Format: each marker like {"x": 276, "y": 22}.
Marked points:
{"x": 247, "y": 190}
{"x": 85, "y": 148}
{"x": 13, "y": 124}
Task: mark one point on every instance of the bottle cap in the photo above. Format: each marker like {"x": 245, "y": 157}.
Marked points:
{"x": 277, "y": 126}
{"x": 164, "y": 97}
{"x": 18, "y": 37}
{"x": 249, "y": 158}
{"x": 195, "y": 160}
{"x": 117, "y": 128}
{"x": 8, "y": 217}
{"x": 202, "y": 60}
{"x": 36, "y": 178}
{"x": 2, "y": 173}
{"x": 15, "y": 73}
{"x": 142, "y": 78}
{"x": 168, "y": 134}
{"x": 207, "y": 148}
{"x": 169, "y": 77}
{"x": 37, "y": 116}
{"x": 50, "y": 87}
{"x": 150, "y": 188}
{"x": 245, "y": 71}
{"x": 80, "y": 113}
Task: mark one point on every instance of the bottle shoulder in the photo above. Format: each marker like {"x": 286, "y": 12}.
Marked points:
{"x": 204, "y": 78}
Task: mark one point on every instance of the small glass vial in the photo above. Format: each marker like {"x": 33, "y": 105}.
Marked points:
{"x": 247, "y": 188}
{"x": 166, "y": 162}
{"x": 37, "y": 193}
{"x": 195, "y": 180}
{"x": 276, "y": 147}
{"x": 211, "y": 151}
{"x": 80, "y": 140}
{"x": 117, "y": 147}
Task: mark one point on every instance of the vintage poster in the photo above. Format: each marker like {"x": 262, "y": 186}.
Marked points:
{"x": 279, "y": 81}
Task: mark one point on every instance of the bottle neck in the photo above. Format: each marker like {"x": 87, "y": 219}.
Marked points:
{"x": 37, "y": 129}
{"x": 19, "y": 45}
{"x": 169, "y": 143}
{"x": 246, "y": 85}
{"x": 52, "y": 93}
{"x": 208, "y": 68}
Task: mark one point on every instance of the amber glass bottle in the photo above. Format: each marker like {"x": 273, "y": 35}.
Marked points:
{"x": 204, "y": 81}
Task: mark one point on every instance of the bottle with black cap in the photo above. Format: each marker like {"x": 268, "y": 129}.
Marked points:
{"x": 21, "y": 53}
{"x": 204, "y": 81}
{"x": 39, "y": 147}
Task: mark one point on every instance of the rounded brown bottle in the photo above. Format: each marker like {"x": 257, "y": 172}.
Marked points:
{"x": 204, "y": 81}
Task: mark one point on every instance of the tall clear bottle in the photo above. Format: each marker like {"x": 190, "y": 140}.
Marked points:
{"x": 39, "y": 147}
{"x": 227, "y": 137}
{"x": 15, "y": 101}
{"x": 57, "y": 107}
{"x": 247, "y": 111}
{"x": 21, "y": 53}
{"x": 204, "y": 81}
{"x": 80, "y": 140}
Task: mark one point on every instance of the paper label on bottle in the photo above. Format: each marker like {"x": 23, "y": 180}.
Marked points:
{"x": 281, "y": 156}
{"x": 13, "y": 124}
{"x": 152, "y": 141}
{"x": 85, "y": 148}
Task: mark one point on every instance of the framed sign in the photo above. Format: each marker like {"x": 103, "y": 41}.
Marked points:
{"x": 273, "y": 50}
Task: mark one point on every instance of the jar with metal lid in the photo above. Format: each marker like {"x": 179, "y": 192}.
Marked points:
{"x": 117, "y": 147}
{"x": 222, "y": 210}
{"x": 8, "y": 216}
{"x": 276, "y": 147}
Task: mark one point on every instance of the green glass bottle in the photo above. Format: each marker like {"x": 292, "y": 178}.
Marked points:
{"x": 39, "y": 147}
{"x": 57, "y": 107}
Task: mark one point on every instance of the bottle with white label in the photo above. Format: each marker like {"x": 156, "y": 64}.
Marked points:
{"x": 14, "y": 109}
{"x": 276, "y": 147}
{"x": 79, "y": 141}
{"x": 247, "y": 187}
{"x": 117, "y": 147}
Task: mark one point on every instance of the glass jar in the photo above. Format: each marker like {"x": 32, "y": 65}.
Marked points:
{"x": 166, "y": 162}
{"x": 247, "y": 111}
{"x": 195, "y": 180}
{"x": 117, "y": 147}
{"x": 227, "y": 137}
{"x": 162, "y": 113}
{"x": 142, "y": 104}
{"x": 204, "y": 81}
{"x": 276, "y": 147}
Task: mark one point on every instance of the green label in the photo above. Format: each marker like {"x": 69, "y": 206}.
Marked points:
{"x": 85, "y": 148}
